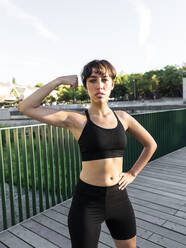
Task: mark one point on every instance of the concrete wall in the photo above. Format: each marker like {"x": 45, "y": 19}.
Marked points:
{"x": 4, "y": 114}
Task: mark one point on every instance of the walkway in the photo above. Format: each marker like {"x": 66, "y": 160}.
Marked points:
{"x": 158, "y": 196}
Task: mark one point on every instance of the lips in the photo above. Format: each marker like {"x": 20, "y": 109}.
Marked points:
{"x": 100, "y": 94}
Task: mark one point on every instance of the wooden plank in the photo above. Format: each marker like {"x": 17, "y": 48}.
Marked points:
{"x": 61, "y": 218}
{"x": 176, "y": 184}
{"x": 106, "y": 239}
{"x": 161, "y": 185}
{"x": 176, "y": 227}
{"x": 167, "y": 177}
{"x": 67, "y": 203}
{"x": 159, "y": 192}
{"x": 2, "y": 246}
{"x": 61, "y": 209}
{"x": 53, "y": 225}
{"x": 164, "y": 209}
{"x": 159, "y": 214}
{"x": 163, "y": 168}
{"x": 165, "y": 242}
{"x": 155, "y": 198}
{"x": 149, "y": 218}
{"x": 12, "y": 241}
{"x": 30, "y": 237}
{"x": 48, "y": 234}
{"x": 143, "y": 243}
{"x": 163, "y": 231}
{"x": 181, "y": 214}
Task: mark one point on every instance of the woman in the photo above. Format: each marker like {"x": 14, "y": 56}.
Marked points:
{"x": 100, "y": 193}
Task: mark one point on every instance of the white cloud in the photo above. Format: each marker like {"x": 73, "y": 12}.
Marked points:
{"x": 145, "y": 20}
{"x": 19, "y": 13}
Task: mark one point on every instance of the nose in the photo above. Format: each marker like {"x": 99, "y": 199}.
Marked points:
{"x": 100, "y": 84}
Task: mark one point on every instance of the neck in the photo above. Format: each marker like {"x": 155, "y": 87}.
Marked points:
{"x": 99, "y": 108}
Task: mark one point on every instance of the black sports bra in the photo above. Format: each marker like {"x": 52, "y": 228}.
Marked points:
{"x": 98, "y": 143}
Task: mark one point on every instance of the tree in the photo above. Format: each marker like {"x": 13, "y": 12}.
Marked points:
{"x": 170, "y": 81}
{"x": 81, "y": 94}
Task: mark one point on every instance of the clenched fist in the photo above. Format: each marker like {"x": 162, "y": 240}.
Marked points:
{"x": 71, "y": 80}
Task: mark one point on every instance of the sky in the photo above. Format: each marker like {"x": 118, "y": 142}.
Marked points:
{"x": 44, "y": 39}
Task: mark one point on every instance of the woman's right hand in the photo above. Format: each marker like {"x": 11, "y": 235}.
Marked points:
{"x": 71, "y": 80}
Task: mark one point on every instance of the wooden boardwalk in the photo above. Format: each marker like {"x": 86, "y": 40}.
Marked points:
{"x": 158, "y": 196}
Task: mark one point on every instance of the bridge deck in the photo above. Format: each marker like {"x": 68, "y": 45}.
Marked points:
{"x": 158, "y": 196}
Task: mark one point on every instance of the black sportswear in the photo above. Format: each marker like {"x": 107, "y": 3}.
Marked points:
{"x": 98, "y": 143}
{"x": 91, "y": 206}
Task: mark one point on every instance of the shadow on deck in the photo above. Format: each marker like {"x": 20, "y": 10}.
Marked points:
{"x": 158, "y": 196}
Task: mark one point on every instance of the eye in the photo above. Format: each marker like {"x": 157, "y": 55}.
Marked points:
{"x": 104, "y": 79}
{"x": 92, "y": 80}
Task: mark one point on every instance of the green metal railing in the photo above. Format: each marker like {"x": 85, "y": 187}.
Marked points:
{"x": 40, "y": 164}
{"x": 168, "y": 128}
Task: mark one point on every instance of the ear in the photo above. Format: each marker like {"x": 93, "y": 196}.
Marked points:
{"x": 113, "y": 83}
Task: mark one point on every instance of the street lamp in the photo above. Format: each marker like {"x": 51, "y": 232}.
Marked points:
{"x": 134, "y": 88}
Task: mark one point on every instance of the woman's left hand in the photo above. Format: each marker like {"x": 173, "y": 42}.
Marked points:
{"x": 125, "y": 179}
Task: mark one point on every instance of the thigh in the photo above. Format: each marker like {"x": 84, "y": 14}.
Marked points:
{"x": 84, "y": 222}
{"x": 120, "y": 219}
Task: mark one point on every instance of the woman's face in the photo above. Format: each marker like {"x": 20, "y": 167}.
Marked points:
{"x": 99, "y": 86}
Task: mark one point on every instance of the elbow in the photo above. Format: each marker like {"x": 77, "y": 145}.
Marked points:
{"x": 153, "y": 146}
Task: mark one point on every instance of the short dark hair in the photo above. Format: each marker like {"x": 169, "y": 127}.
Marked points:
{"x": 101, "y": 67}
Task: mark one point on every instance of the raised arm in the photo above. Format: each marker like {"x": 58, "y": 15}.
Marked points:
{"x": 30, "y": 106}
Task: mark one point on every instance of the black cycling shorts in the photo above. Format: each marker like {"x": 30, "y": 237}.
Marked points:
{"x": 91, "y": 206}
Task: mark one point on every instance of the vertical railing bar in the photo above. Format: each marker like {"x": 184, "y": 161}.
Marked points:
{"x": 10, "y": 175}
{"x": 56, "y": 162}
{"x": 32, "y": 169}
{"x": 25, "y": 171}
{"x": 74, "y": 162}
{"x": 68, "y": 162}
{"x": 63, "y": 163}
{"x": 39, "y": 167}
{"x": 18, "y": 171}
{"x": 77, "y": 158}
{"x": 2, "y": 181}
{"x": 51, "y": 161}
{"x": 45, "y": 164}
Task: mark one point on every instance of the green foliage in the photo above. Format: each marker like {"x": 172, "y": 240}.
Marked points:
{"x": 81, "y": 94}
{"x": 39, "y": 85}
{"x": 170, "y": 81}
{"x": 67, "y": 94}
{"x": 166, "y": 82}
{"x": 119, "y": 91}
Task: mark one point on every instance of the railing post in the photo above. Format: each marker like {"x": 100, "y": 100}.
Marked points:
{"x": 2, "y": 182}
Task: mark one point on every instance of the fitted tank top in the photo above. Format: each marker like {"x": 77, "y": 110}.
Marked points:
{"x": 96, "y": 142}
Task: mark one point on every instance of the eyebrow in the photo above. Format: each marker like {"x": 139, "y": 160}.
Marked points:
{"x": 97, "y": 76}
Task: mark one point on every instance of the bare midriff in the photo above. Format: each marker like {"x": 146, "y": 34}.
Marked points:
{"x": 103, "y": 172}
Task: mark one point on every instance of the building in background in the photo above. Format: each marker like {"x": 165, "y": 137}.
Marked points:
{"x": 13, "y": 92}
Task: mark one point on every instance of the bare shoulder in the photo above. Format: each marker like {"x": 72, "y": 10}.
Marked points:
{"x": 76, "y": 119}
{"x": 130, "y": 122}
{"x": 124, "y": 118}
{"x": 136, "y": 129}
